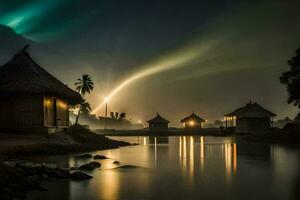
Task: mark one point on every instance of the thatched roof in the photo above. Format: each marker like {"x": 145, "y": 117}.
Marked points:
{"x": 22, "y": 75}
{"x": 193, "y": 117}
{"x": 158, "y": 119}
{"x": 251, "y": 110}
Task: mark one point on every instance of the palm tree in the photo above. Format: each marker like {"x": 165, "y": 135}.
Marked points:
{"x": 85, "y": 107}
{"x": 112, "y": 115}
{"x": 117, "y": 115}
{"x": 84, "y": 85}
{"x": 122, "y": 116}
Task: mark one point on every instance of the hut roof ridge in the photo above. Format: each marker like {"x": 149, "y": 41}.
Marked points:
{"x": 193, "y": 116}
{"x": 22, "y": 74}
{"x": 158, "y": 119}
{"x": 251, "y": 110}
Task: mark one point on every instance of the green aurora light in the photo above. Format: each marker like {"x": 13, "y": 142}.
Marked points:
{"x": 25, "y": 19}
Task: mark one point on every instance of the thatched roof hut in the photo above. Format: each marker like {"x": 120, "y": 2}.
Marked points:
{"x": 158, "y": 124}
{"x": 193, "y": 122}
{"x": 158, "y": 119}
{"x": 31, "y": 97}
{"x": 251, "y": 110}
{"x": 250, "y": 118}
{"x": 23, "y": 75}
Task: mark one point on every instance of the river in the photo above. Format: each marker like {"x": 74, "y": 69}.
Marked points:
{"x": 186, "y": 167}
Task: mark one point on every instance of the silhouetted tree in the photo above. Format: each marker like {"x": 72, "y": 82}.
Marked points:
{"x": 122, "y": 115}
{"x": 218, "y": 123}
{"x": 117, "y": 116}
{"x": 291, "y": 79}
{"x": 84, "y": 85}
{"x": 112, "y": 115}
{"x": 86, "y": 107}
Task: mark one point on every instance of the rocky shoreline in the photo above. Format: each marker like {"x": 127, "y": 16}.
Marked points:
{"x": 18, "y": 178}
{"x": 18, "y": 175}
{"x": 77, "y": 139}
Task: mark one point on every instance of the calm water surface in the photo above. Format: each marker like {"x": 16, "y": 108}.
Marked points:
{"x": 184, "y": 168}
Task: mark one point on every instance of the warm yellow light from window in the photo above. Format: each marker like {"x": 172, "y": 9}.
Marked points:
{"x": 191, "y": 123}
{"x": 62, "y": 105}
{"x": 47, "y": 102}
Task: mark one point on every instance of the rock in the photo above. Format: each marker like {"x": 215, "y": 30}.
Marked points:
{"x": 33, "y": 178}
{"x": 20, "y": 195}
{"x": 100, "y": 157}
{"x": 6, "y": 197}
{"x": 20, "y": 187}
{"x": 95, "y": 164}
{"x": 18, "y": 171}
{"x": 128, "y": 167}
{"x": 31, "y": 183}
{"x": 90, "y": 166}
{"x": 116, "y": 162}
{"x": 52, "y": 173}
{"x": 55, "y": 173}
{"x": 6, "y": 194}
{"x": 51, "y": 179}
{"x": 63, "y": 173}
{"x": 42, "y": 188}
{"x": 80, "y": 176}
{"x": 85, "y": 156}
{"x": 87, "y": 167}
{"x": 43, "y": 177}
{"x": 5, "y": 191}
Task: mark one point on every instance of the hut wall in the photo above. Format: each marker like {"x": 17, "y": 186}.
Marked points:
{"x": 6, "y": 114}
{"x": 49, "y": 118}
{"x": 56, "y": 112}
{"x": 158, "y": 127}
{"x": 252, "y": 125}
{"x": 195, "y": 126}
{"x": 62, "y": 113}
{"x": 27, "y": 111}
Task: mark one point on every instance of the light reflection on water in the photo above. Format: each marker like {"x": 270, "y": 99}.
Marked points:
{"x": 185, "y": 167}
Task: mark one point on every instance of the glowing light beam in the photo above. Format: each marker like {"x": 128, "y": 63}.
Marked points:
{"x": 177, "y": 59}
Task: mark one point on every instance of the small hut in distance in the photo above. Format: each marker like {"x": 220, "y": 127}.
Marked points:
{"x": 31, "y": 98}
{"x": 193, "y": 122}
{"x": 251, "y": 118}
{"x": 158, "y": 124}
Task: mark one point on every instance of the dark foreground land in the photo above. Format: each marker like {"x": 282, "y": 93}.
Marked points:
{"x": 18, "y": 175}
{"x": 76, "y": 139}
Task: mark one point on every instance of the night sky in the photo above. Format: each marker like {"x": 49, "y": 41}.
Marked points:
{"x": 209, "y": 57}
